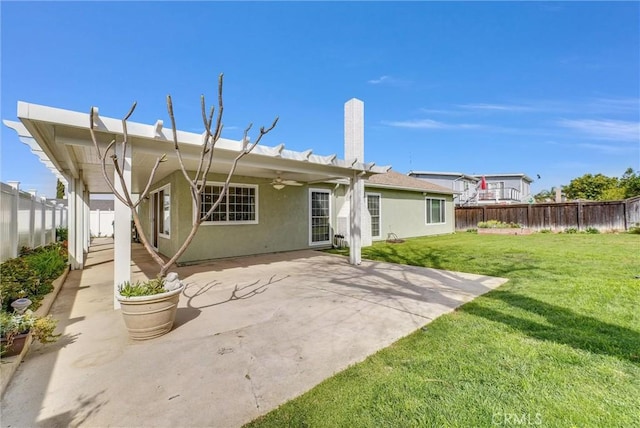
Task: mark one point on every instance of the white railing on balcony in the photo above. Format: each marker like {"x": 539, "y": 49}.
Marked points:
{"x": 506, "y": 194}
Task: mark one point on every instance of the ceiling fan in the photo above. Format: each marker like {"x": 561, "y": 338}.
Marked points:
{"x": 279, "y": 183}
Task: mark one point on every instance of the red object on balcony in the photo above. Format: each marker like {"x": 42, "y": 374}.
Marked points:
{"x": 483, "y": 183}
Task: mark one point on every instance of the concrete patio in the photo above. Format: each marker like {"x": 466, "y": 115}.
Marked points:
{"x": 250, "y": 334}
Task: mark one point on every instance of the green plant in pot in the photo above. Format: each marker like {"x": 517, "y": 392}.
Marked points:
{"x": 143, "y": 302}
{"x": 15, "y": 327}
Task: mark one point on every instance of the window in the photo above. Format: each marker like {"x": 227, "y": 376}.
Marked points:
{"x": 239, "y": 204}
{"x": 435, "y": 210}
{"x": 373, "y": 205}
{"x": 161, "y": 200}
{"x": 319, "y": 212}
{"x": 165, "y": 218}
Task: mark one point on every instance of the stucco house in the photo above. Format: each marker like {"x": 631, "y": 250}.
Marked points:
{"x": 499, "y": 188}
{"x": 279, "y": 199}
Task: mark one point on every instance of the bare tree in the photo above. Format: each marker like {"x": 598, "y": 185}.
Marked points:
{"x": 196, "y": 183}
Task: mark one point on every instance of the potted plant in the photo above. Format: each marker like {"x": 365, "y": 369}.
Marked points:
{"x": 16, "y": 327}
{"x": 149, "y": 308}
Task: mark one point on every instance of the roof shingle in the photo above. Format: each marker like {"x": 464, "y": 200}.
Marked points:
{"x": 401, "y": 181}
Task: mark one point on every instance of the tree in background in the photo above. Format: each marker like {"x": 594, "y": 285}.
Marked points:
{"x": 590, "y": 187}
{"x": 546, "y": 195}
{"x": 630, "y": 181}
{"x": 597, "y": 187}
{"x": 59, "y": 190}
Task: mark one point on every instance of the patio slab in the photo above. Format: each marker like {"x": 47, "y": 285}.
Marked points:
{"x": 250, "y": 334}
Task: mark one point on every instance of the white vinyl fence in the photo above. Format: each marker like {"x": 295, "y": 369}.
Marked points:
{"x": 27, "y": 220}
{"x": 101, "y": 222}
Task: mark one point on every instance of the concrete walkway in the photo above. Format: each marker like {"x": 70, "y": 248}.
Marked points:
{"x": 250, "y": 334}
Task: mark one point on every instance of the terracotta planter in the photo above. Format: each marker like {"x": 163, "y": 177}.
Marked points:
{"x": 147, "y": 317}
{"x": 16, "y": 347}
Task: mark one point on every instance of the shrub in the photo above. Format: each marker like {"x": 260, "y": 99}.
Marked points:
{"x": 30, "y": 275}
{"x": 17, "y": 279}
{"x": 49, "y": 264}
{"x": 62, "y": 234}
{"x": 571, "y": 230}
{"x": 635, "y": 229}
{"x": 592, "y": 230}
{"x": 494, "y": 224}
{"x": 546, "y": 231}
{"x": 472, "y": 230}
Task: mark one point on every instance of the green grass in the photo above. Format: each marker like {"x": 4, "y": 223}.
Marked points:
{"x": 557, "y": 345}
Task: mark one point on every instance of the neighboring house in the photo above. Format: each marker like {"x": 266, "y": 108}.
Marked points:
{"x": 505, "y": 189}
{"x": 500, "y": 188}
{"x": 279, "y": 200}
{"x": 464, "y": 185}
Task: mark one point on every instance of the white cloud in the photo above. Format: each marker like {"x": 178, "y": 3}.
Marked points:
{"x": 608, "y": 149}
{"x": 429, "y": 124}
{"x": 390, "y": 80}
{"x": 378, "y": 80}
{"x": 496, "y": 107}
{"x": 616, "y": 130}
{"x": 614, "y": 105}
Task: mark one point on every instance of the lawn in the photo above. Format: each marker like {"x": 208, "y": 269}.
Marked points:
{"x": 557, "y": 345}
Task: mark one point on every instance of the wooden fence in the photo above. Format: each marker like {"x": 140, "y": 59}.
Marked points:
{"x": 604, "y": 216}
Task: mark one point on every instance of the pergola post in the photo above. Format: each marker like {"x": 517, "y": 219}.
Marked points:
{"x": 76, "y": 223}
{"x": 86, "y": 229}
{"x": 354, "y": 151}
{"x": 122, "y": 227}
{"x": 356, "y": 190}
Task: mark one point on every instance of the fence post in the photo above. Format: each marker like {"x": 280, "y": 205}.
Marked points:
{"x": 54, "y": 219}
{"x": 579, "y": 215}
{"x": 43, "y": 220}
{"x": 15, "y": 203}
{"x": 32, "y": 218}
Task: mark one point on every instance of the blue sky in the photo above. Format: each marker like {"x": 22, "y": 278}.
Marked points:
{"x": 500, "y": 87}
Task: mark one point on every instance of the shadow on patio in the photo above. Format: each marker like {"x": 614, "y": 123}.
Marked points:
{"x": 250, "y": 334}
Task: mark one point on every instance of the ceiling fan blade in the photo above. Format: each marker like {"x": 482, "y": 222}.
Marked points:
{"x": 291, "y": 182}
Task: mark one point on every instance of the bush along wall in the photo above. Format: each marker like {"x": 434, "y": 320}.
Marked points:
{"x": 31, "y": 274}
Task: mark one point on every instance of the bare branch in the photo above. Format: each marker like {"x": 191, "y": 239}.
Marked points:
{"x": 205, "y": 143}
{"x": 173, "y": 121}
{"x": 216, "y": 135}
{"x": 125, "y": 133}
{"x": 101, "y": 156}
{"x": 220, "y": 109}
{"x": 264, "y": 132}
{"x": 175, "y": 143}
{"x": 197, "y": 183}
{"x": 143, "y": 195}
{"x": 133, "y": 107}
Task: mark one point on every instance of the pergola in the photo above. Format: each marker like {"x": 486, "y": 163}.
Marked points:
{"x": 61, "y": 139}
